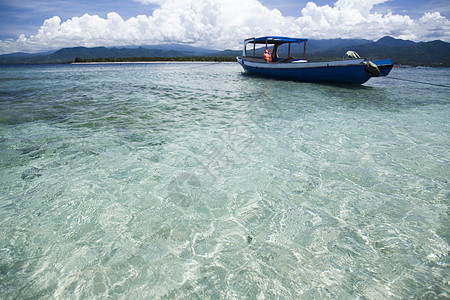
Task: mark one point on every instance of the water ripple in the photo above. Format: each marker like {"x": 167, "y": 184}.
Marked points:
{"x": 172, "y": 181}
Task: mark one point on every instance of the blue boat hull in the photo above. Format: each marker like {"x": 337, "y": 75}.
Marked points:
{"x": 349, "y": 74}
{"x": 384, "y": 65}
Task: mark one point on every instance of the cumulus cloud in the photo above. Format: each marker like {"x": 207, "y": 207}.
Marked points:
{"x": 225, "y": 23}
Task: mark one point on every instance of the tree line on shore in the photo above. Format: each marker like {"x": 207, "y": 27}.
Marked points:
{"x": 403, "y": 52}
{"x": 156, "y": 59}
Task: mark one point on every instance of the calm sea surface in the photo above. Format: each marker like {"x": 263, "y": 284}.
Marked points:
{"x": 198, "y": 181}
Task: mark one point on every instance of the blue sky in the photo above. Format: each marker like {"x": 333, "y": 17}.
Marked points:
{"x": 412, "y": 8}
{"x": 198, "y": 20}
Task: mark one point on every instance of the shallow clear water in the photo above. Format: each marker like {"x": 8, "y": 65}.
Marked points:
{"x": 197, "y": 181}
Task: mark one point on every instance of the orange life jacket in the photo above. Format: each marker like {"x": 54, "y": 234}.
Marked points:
{"x": 267, "y": 56}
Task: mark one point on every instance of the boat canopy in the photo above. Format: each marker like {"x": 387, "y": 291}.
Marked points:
{"x": 274, "y": 40}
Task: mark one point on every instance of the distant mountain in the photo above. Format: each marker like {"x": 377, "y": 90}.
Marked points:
{"x": 69, "y": 54}
{"x": 66, "y": 55}
{"x": 388, "y": 41}
{"x": 435, "y": 53}
{"x": 21, "y": 55}
{"x": 317, "y": 46}
{"x": 186, "y": 49}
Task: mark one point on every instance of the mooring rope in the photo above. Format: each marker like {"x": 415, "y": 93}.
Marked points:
{"x": 422, "y": 82}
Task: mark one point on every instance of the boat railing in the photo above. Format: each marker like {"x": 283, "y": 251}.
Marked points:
{"x": 254, "y": 58}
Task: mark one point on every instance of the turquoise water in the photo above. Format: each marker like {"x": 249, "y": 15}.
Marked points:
{"x": 168, "y": 181}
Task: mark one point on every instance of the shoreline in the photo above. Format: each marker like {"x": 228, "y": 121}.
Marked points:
{"x": 153, "y": 62}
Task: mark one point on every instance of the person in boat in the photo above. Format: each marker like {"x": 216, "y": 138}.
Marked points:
{"x": 267, "y": 56}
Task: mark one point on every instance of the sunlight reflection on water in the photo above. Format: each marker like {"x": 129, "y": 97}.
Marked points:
{"x": 196, "y": 181}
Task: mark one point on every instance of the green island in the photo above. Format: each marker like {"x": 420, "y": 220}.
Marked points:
{"x": 402, "y": 52}
{"x": 156, "y": 59}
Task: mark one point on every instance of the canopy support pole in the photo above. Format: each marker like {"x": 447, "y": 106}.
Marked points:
{"x": 304, "y": 50}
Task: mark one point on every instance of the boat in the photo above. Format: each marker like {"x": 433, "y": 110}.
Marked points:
{"x": 350, "y": 70}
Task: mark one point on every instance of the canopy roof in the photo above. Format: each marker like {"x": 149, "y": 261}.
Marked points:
{"x": 274, "y": 40}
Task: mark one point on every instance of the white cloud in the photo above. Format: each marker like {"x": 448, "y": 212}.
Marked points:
{"x": 225, "y": 23}
{"x": 363, "y": 7}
